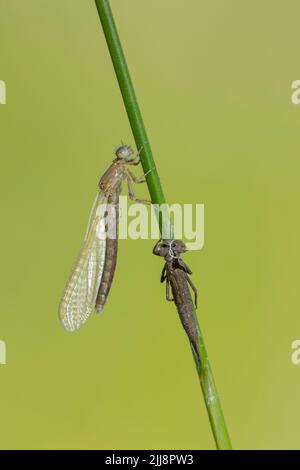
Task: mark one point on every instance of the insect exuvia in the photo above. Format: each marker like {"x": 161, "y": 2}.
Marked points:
{"x": 91, "y": 278}
{"x": 176, "y": 273}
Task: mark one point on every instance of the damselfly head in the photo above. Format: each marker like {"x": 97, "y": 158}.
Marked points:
{"x": 125, "y": 152}
{"x": 169, "y": 249}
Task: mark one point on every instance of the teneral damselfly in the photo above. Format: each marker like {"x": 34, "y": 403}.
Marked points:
{"x": 176, "y": 273}
{"x": 91, "y": 278}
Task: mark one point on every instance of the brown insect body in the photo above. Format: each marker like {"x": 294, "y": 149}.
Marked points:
{"x": 111, "y": 180}
{"x": 111, "y": 252}
{"x": 176, "y": 273}
{"x": 111, "y": 185}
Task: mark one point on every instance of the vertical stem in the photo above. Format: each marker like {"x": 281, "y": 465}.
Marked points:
{"x": 210, "y": 394}
{"x": 130, "y": 101}
{"x": 207, "y": 383}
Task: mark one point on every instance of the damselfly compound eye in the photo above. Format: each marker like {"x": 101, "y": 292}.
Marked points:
{"x": 124, "y": 152}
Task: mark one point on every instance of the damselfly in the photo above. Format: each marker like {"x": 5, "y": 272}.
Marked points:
{"x": 91, "y": 278}
{"x": 176, "y": 273}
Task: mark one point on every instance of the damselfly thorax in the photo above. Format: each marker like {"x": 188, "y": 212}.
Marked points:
{"x": 91, "y": 278}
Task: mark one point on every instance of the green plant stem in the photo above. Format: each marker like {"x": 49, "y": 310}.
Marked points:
{"x": 208, "y": 387}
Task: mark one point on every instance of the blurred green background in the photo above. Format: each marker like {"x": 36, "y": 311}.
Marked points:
{"x": 214, "y": 84}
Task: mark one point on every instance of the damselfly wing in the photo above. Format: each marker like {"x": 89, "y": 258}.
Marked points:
{"x": 80, "y": 294}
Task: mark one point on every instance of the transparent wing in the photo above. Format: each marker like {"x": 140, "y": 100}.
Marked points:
{"x": 80, "y": 293}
